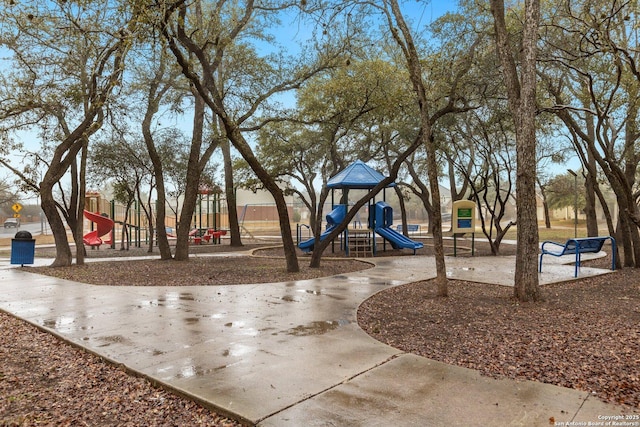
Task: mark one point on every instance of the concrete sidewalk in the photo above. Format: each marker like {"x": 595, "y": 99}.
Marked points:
{"x": 292, "y": 353}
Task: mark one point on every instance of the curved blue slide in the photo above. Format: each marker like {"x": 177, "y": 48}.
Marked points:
{"x": 335, "y": 217}
{"x": 383, "y": 221}
{"x": 398, "y": 241}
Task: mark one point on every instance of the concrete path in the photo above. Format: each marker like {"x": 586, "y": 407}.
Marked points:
{"x": 292, "y": 353}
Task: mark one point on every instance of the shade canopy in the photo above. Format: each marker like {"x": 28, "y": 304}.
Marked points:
{"x": 357, "y": 175}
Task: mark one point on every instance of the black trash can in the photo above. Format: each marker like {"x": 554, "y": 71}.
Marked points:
{"x": 23, "y": 248}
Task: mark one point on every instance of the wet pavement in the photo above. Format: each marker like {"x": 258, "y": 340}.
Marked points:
{"x": 292, "y": 353}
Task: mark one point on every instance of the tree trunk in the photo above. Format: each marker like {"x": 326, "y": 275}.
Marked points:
{"x": 63, "y": 251}
{"x": 607, "y": 213}
{"x": 316, "y": 219}
{"x": 521, "y": 94}
{"x": 526, "y": 275}
{"x": 161, "y": 216}
{"x": 184, "y": 223}
{"x": 547, "y": 219}
{"x": 64, "y": 156}
{"x": 195, "y": 165}
{"x": 148, "y": 213}
{"x": 75, "y": 211}
{"x": 124, "y": 237}
{"x": 416, "y": 74}
{"x": 230, "y": 191}
{"x": 156, "y": 161}
{"x": 403, "y": 211}
{"x": 631, "y": 161}
{"x": 590, "y": 205}
{"x": 313, "y": 207}
{"x": 235, "y": 136}
{"x": 545, "y": 205}
{"x": 436, "y": 218}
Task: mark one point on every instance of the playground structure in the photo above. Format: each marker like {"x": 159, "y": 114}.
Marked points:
{"x": 108, "y": 218}
{"x": 382, "y": 226}
{"x": 101, "y": 224}
{"x": 104, "y": 227}
{"x": 199, "y": 236}
{"x": 361, "y": 241}
{"x": 207, "y": 215}
{"x": 102, "y": 214}
{"x": 334, "y": 218}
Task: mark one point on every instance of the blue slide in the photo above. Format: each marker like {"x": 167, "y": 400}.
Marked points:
{"x": 398, "y": 241}
{"x": 335, "y": 217}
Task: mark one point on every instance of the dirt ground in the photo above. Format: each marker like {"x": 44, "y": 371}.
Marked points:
{"x": 198, "y": 270}
{"x": 585, "y": 335}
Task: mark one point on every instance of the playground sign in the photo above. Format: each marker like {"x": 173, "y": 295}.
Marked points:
{"x": 463, "y": 217}
{"x": 463, "y": 220}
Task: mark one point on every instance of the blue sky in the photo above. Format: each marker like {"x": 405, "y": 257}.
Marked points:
{"x": 419, "y": 13}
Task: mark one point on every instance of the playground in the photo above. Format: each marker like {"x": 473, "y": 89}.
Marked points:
{"x": 373, "y": 230}
{"x": 573, "y": 354}
{"x": 356, "y": 238}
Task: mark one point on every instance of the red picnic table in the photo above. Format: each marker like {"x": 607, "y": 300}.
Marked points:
{"x": 200, "y": 235}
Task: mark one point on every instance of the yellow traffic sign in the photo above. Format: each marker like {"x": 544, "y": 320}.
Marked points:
{"x": 16, "y": 215}
{"x": 17, "y": 207}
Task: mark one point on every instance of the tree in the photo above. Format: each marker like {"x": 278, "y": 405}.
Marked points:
{"x": 230, "y": 193}
{"x": 123, "y": 162}
{"x": 484, "y": 159}
{"x": 552, "y": 150}
{"x": 562, "y": 192}
{"x": 403, "y": 36}
{"x": 235, "y": 82}
{"x": 200, "y": 152}
{"x": 154, "y": 88}
{"x": 295, "y": 154}
{"x": 521, "y": 95}
{"x": 156, "y": 83}
{"x": 445, "y": 99}
{"x": 67, "y": 63}
{"x": 595, "y": 86}
{"x": 8, "y": 196}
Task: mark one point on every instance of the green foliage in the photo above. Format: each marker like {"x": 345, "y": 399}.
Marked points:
{"x": 344, "y": 114}
{"x": 562, "y": 191}
{"x": 121, "y": 161}
{"x": 55, "y": 48}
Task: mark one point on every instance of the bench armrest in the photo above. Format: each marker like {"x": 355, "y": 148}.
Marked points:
{"x": 557, "y": 248}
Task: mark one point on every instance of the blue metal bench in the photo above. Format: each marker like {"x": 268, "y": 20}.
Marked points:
{"x": 577, "y": 247}
{"x": 410, "y": 227}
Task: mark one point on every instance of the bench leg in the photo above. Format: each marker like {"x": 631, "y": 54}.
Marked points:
{"x": 613, "y": 253}
{"x": 540, "y": 268}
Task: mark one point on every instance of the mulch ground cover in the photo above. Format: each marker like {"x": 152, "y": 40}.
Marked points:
{"x": 585, "y": 334}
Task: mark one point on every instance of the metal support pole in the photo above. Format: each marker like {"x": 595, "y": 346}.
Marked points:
{"x": 575, "y": 203}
